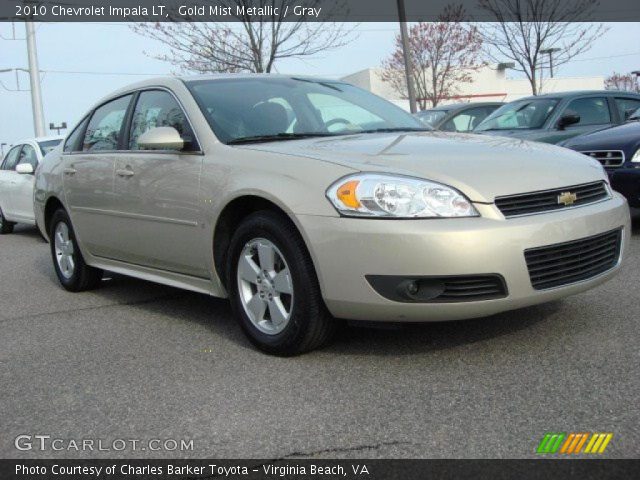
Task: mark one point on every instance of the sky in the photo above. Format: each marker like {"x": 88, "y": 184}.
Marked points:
{"x": 82, "y": 62}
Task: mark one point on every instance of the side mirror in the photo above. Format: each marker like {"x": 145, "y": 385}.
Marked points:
{"x": 568, "y": 119}
{"x": 24, "y": 168}
{"x": 161, "y": 138}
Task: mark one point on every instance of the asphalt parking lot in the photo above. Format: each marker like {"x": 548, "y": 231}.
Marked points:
{"x": 138, "y": 360}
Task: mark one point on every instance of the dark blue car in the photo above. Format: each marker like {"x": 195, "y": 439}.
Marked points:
{"x": 618, "y": 150}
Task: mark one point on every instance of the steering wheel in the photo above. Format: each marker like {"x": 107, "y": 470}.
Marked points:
{"x": 335, "y": 121}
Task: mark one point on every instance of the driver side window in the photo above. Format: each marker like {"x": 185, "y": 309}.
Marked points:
{"x": 28, "y": 155}
{"x": 11, "y": 160}
{"x": 592, "y": 110}
{"x": 158, "y": 108}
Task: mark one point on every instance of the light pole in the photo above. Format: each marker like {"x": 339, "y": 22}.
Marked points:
{"x": 550, "y": 52}
{"x": 402, "y": 17}
{"x": 34, "y": 78}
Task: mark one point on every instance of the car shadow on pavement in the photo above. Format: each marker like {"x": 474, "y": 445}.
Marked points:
{"x": 414, "y": 338}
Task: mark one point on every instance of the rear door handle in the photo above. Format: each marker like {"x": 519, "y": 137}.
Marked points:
{"x": 69, "y": 171}
{"x": 124, "y": 172}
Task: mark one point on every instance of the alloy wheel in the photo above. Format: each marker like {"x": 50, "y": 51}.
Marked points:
{"x": 64, "y": 250}
{"x": 265, "y": 286}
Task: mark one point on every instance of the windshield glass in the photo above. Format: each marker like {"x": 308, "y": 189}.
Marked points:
{"x": 285, "y": 108}
{"x": 48, "y": 145}
{"x": 431, "y": 117}
{"x": 521, "y": 114}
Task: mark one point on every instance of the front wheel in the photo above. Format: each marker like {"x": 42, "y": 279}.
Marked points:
{"x": 72, "y": 271}
{"x": 274, "y": 289}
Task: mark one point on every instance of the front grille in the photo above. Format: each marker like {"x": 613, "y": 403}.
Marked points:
{"x": 549, "y": 200}
{"x": 443, "y": 289}
{"x": 570, "y": 262}
{"x": 607, "y": 158}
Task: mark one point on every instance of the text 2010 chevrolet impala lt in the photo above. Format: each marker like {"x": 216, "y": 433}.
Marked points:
{"x": 305, "y": 200}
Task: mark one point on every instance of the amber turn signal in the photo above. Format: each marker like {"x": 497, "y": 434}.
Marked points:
{"x": 346, "y": 193}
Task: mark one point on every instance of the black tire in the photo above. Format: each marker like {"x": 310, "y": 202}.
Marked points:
{"x": 83, "y": 277}
{"x": 310, "y": 324}
{"x": 5, "y": 225}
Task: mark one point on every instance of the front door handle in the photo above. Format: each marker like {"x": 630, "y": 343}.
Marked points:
{"x": 124, "y": 172}
{"x": 69, "y": 171}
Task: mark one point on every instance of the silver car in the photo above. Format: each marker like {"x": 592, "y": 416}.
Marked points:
{"x": 307, "y": 200}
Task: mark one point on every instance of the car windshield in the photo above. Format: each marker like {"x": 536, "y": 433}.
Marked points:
{"x": 48, "y": 145}
{"x": 521, "y": 114}
{"x": 431, "y": 117}
{"x": 243, "y": 110}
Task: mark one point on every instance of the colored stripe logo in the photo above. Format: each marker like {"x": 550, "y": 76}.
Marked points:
{"x": 574, "y": 443}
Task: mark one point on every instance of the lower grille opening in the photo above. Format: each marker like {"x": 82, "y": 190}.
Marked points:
{"x": 570, "y": 262}
{"x": 439, "y": 289}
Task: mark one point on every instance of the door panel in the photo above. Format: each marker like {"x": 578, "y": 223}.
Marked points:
{"x": 158, "y": 212}
{"x": 156, "y": 193}
{"x": 88, "y": 178}
{"x": 22, "y": 187}
{"x": 8, "y": 182}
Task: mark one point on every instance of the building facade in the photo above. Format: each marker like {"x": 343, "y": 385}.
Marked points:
{"x": 490, "y": 83}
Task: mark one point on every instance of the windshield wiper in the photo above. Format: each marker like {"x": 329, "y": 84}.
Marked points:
{"x": 277, "y": 137}
{"x": 395, "y": 129}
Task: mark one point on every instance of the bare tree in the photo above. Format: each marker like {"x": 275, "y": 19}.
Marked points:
{"x": 520, "y": 30}
{"x": 443, "y": 54}
{"x": 247, "y": 44}
{"x": 622, "y": 81}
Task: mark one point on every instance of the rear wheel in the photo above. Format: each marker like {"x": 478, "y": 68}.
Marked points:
{"x": 5, "y": 225}
{"x": 72, "y": 271}
{"x": 274, "y": 289}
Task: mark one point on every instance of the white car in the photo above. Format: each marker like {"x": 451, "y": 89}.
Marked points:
{"x": 16, "y": 181}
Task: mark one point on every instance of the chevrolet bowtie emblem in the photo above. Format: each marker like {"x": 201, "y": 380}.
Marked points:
{"x": 567, "y": 198}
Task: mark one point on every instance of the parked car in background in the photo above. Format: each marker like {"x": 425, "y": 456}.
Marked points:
{"x": 618, "y": 150}
{"x": 16, "y": 180}
{"x": 460, "y": 117}
{"x": 304, "y": 200}
{"x": 555, "y": 117}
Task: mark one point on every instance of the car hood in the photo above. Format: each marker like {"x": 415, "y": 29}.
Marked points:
{"x": 482, "y": 167}
{"x": 616, "y": 138}
{"x": 520, "y": 133}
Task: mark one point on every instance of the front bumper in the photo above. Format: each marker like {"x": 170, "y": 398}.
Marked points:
{"x": 627, "y": 182}
{"x": 345, "y": 250}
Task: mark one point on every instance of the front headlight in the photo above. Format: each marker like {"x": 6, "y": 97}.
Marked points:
{"x": 395, "y": 196}
{"x": 636, "y": 156}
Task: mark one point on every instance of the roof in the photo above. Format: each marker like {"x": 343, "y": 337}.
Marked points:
{"x": 580, "y": 92}
{"x": 171, "y": 81}
{"x": 456, "y": 106}
{"x": 39, "y": 139}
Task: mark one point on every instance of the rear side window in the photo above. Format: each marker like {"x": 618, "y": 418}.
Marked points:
{"x": 103, "y": 131}
{"x": 158, "y": 108}
{"x": 592, "y": 110}
{"x": 11, "y": 160}
{"x": 28, "y": 155}
{"x": 73, "y": 140}
{"x": 627, "y": 106}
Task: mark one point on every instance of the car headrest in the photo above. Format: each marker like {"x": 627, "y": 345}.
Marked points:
{"x": 268, "y": 118}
